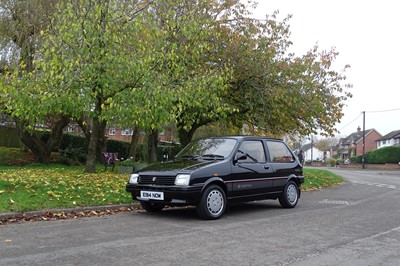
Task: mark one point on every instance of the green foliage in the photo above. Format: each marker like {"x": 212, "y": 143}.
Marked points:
{"x": 126, "y": 162}
{"x": 385, "y": 155}
{"x": 72, "y": 155}
{"x": 191, "y": 62}
{"x": 317, "y": 178}
{"x": 121, "y": 147}
{"x": 169, "y": 150}
{"x": 277, "y": 92}
{"x": 73, "y": 141}
{"x": 331, "y": 162}
{"x": 380, "y": 156}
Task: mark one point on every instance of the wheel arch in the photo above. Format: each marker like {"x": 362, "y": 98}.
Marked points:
{"x": 215, "y": 181}
{"x": 296, "y": 180}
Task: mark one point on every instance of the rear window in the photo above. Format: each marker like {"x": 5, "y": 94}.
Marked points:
{"x": 279, "y": 152}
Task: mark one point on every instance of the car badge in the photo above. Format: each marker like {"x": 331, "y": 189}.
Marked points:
{"x": 154, "y": 179}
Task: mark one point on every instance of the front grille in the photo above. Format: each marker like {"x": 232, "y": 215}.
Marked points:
{"x": 159, "y": 180}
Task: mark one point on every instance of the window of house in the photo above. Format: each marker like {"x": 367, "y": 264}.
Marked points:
{"x": 111, "y": 131}
{"x": 279, "y": 152}
{"x": 127, "y": 132}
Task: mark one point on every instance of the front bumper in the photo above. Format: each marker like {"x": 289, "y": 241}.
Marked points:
{"x": 173, "y": 195}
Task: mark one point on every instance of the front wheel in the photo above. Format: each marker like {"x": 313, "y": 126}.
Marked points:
{"x": 152, "y": 206}
{"x": 212, "y": 204}
{"x": 290, "y": 195}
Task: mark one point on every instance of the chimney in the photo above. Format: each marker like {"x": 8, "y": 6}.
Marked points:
{"x": 358, "y": 129}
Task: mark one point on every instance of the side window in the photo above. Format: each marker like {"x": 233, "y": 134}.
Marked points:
{"x": 279, "y": 152}
{"x": 254, "y": 149}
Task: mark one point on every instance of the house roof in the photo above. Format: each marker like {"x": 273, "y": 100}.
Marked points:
{"x": 392, "y": 135}
{"x": 356, "y": 136}
{"x": 307, "y": 147}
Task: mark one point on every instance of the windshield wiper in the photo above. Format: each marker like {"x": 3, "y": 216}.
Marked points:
{"x": 213, "y": 156}
{"x": 190, "y": 157}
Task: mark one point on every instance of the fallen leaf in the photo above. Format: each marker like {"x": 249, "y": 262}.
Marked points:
{"x": 7, "y": 241}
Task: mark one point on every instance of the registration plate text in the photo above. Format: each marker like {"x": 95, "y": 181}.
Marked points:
{"x": 155, "y": 195}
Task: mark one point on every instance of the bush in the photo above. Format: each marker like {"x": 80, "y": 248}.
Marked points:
{"x": 380, "y": 156}
{"x": 74, "y": 149}
{"x": 356, "y": 159}
{"x": 331, "y": 162}
{"x": 72, "y": 156}
{"x": 384, "y": 155}
{"x": 170, "y": 151}
{"x": 121, "y": 147}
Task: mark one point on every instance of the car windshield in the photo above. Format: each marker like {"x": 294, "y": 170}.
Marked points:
{"x": 207, "y": 149}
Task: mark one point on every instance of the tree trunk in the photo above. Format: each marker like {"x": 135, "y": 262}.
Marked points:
{"x": 93, "y": 141}
{"x": 42, "y": 150}
{"x": 153, "y": 142}
{"x": 102, "y": 141}
{"x": 134, "y": 142}
{"x": 185, "y": 137}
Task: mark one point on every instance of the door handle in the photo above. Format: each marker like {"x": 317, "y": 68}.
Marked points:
{"x": 266, "y": 166}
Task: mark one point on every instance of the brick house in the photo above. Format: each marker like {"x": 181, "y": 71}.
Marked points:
{"x": 353, "y": 144}
{"x": 125, "y": 134}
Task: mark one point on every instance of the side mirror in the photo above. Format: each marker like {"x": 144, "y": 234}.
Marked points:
{"x": 240, "y": 156}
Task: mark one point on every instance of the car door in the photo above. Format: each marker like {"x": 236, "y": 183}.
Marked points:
{"x": 251, "y": 173}
{"x": 282, "y": 161}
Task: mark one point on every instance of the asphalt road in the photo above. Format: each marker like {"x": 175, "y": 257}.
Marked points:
{"x": 357, "y": 223}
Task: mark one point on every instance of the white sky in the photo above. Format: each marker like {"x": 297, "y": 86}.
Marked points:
{"x": 367, "y": 36}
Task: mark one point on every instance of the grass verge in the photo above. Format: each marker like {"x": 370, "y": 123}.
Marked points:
{"x": 56, "y": 186}
{"x": 319, "y": 178}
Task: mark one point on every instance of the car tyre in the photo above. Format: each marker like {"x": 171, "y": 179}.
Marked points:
{"x": 290, "y": 195}
{"x": 152, "y": 206}
{"x": 212, "y": 204}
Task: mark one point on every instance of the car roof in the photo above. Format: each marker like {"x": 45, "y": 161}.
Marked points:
{"x": 242, "y": 137}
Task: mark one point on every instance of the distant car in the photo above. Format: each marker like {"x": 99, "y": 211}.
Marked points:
{"x": 210, "y": 173}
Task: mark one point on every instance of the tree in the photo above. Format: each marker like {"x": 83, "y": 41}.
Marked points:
{"x": 198, "y": 82}
{"x": 20, "y": 23}
{"x": 277, "y": 92}
{"x": 184, "y": 84}
{"x": 270, "y": 90}
{"x": 326, "y": 143}
{"x": 91, "y": 52}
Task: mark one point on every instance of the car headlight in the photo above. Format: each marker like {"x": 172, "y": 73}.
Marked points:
{"x": 133, "y": 179}
{"x": 182, "y": 180}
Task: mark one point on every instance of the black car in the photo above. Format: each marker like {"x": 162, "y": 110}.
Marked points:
{"x": 209, "y": 173}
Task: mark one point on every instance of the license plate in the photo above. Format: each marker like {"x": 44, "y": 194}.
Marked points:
{"x": 154, "y": 195}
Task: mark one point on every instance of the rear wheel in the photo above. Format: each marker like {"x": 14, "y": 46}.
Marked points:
{"x": 152, "y": 206}
{"x": 290, "y": 195}
{"x": 212, "y": 204}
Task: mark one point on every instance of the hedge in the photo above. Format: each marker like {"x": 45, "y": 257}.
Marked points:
{"x": 380, "y": 156}
{"x": 75, "y": 147}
